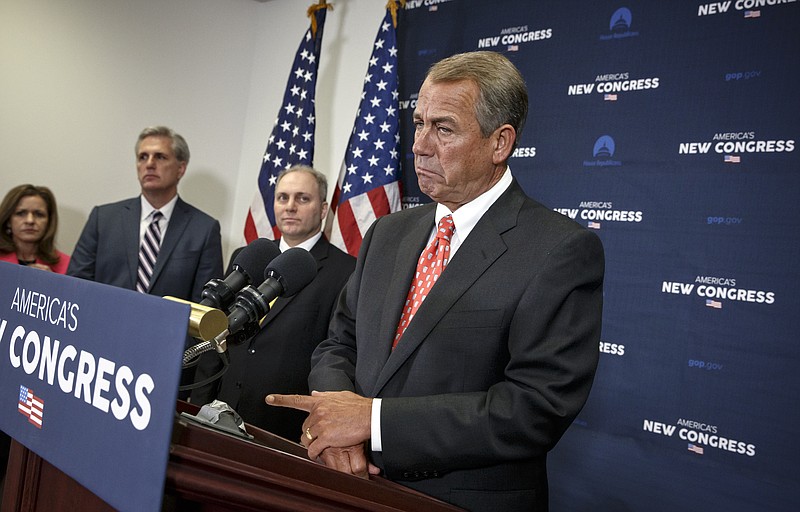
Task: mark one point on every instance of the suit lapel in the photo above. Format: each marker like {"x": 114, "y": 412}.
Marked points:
{"x": 320, "y": 253}
{"x": 131, "y": 221}
{"x": 402, "y": 268}
{"x": 177, "y": 225}
{"x": 483, "y": 247}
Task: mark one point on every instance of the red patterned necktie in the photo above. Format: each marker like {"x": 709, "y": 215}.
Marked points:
{"x": 429, "y": 267}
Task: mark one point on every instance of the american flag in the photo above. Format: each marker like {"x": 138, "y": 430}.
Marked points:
{"x": 593, "y": 225}
{"x": 733, "y": 159}
{"x": 292, "y": 139}
{"x": 368, "y": 185}
{"x": 752, "y": 14}
{"x": 609, "y": 97}
{"x": 31, "y": 406}
{"x": 696, "y": 449}
{"x": 713, "y": 304}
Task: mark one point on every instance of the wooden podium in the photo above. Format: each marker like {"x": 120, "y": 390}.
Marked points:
{"x": 211, "y": 471}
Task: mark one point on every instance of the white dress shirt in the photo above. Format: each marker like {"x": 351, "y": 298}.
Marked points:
{"x": 147, "y": 214}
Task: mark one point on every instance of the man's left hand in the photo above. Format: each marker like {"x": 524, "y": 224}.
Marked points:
{"x": 337, "y": 419}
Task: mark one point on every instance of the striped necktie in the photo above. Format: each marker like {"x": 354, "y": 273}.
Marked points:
{"x": 148, "y": 252}
{"x": 429, "y": 267}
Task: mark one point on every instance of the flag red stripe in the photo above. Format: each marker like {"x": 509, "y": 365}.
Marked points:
{"x": 337, "y": 192}
{"x": 349, "y": 228}
{"x": 250, "y": 232}
{"x": 380, "y": 203}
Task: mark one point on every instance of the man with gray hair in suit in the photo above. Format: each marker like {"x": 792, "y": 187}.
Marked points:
{"x": 466, "y": 341}
{"x": 154, "y": 243}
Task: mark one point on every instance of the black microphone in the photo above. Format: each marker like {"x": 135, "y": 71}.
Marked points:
{"x": 248, "y": 265}
{"x": 285, "y": 276}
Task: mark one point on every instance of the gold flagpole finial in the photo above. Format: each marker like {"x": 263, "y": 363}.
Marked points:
{"x": 392, "y": 6}
{"x": 313, "y": 9}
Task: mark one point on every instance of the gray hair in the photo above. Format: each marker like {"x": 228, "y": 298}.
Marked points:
{"x": 503, "y": 96}
{"x": 179, "y": 146}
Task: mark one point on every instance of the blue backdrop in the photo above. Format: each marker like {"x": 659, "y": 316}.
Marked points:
{"x": 670, "y": 129}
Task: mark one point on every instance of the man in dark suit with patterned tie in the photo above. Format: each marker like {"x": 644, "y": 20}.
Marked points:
{"x": 279, "y": 356}
{"x": 188, "y": 252}
{"x": 500, "y": 356}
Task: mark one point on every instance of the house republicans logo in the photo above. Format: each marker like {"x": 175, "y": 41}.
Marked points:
{"x": 732, "y": 145}
{"x": 619, "y": 25}
{"x": 603, "y": 151}
{"x": 594, "y": 213}
{"x": 512, "y": 37}
{"x": 747, "y": 8}
{"x": 714, "y": 291}
{"x": 610, "y": 84}
{"x": 699, "y": 437}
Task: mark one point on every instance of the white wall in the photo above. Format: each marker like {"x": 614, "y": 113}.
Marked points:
{"x": 80, "y": 79}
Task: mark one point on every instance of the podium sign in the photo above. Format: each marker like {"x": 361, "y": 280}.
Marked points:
{"x": 88, "y": 380}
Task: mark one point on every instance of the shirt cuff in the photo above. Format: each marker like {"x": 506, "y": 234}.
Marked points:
{"x": 377, "y": 445}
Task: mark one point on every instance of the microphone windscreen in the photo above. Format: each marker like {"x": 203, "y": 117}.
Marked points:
{"x": 295, "y": 268}
{"x": 255, "y": 257}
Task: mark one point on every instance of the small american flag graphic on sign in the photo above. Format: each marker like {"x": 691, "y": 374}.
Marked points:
{"x": 31, "y": 406}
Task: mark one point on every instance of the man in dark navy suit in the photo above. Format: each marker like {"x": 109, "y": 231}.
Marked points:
{"x": 279, "y": 356}
{"x": 190, "y": 252}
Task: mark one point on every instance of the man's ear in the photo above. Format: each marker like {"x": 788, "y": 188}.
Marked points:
{"x": 503, "y": 138}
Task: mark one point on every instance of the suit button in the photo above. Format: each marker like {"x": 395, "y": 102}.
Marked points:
{"x": 406, "y": 474}
{"x": 416, "y": 474}
{"x": 252, "y": 351}
{"x": 238, "y": 385}
{"x": 425, "y": 474}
